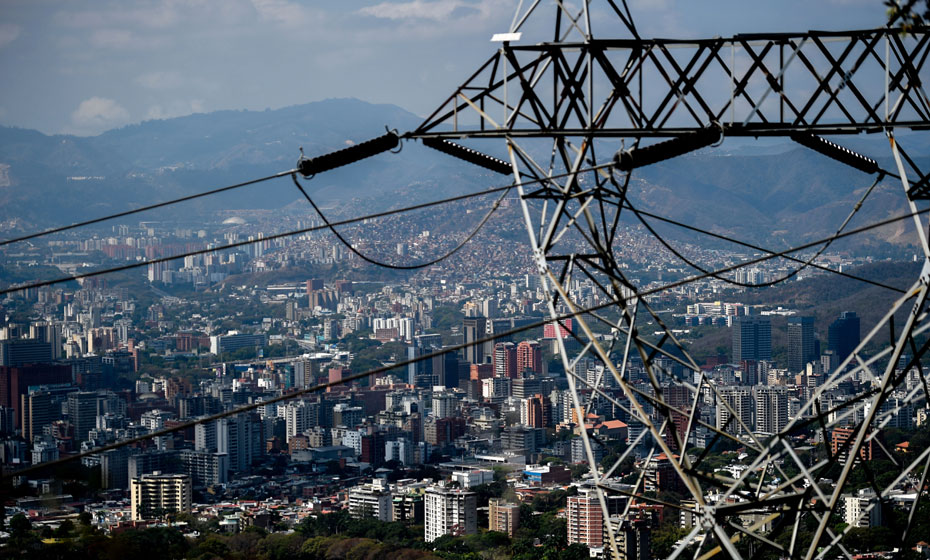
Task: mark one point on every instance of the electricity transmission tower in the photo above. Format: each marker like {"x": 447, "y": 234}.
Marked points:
{"x": 552, "y": 81}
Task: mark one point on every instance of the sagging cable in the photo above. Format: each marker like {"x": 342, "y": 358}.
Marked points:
{"x": 471, "y": 156}
{"x": 835, "y": 151}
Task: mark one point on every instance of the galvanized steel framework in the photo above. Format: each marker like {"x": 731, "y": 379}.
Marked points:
{"x": 584, "y": 93}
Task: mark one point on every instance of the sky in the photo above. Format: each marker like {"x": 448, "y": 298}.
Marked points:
{"x": 83, "y": 67}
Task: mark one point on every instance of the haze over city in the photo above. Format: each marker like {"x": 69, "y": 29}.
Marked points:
{"x": 285, "y": 279}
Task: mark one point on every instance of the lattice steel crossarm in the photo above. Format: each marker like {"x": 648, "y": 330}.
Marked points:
{"x": 752, "y": 85}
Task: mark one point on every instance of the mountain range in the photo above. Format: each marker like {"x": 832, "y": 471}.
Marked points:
{"x": 776, "y": 193}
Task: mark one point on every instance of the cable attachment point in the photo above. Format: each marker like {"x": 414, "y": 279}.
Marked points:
{"x": 627, "y": 160}
{"x": 311, "y": 166}
{"x": 400, "y": 145}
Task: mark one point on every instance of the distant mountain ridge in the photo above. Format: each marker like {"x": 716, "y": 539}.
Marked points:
{"x": 779, "y": 194}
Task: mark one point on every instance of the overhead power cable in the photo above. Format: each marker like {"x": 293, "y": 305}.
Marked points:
{"x": 758, "y": 248}
{"x": 784, "y": 278}
{"x": 454, "y": 348}
{"x": 146, "y": 208}
{"x": 426, "y": 264}
{"x": 282, "y": 235}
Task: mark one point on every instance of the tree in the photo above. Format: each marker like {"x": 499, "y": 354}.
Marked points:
{"x": 909, "y": 14}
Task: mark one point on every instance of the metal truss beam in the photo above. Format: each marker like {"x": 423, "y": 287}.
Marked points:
{"x": 752, "y": 85}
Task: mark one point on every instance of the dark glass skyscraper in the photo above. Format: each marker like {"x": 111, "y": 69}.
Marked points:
{"x": 843, "y": 336}
{"x": 752, "y": 339}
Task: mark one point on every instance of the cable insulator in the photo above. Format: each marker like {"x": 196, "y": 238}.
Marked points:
{"x": 469, "y": 155}
{"x": 835, "y": 151}
{"x": 325, "y": 162}
{"x": 640, "y": 157}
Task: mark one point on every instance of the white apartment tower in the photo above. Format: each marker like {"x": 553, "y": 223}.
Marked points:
{"x": 449, "y": 511}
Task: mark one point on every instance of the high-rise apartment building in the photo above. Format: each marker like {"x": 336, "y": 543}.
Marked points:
{"x": 449, "y": 511}
{"x": 505, "y": 360}
{"x": 503, "y": 517}
{"x": 771, "y": 408}
{"x": 585, "y": 520}
{"x": 739, "y": 400}
{"x": 529, "y": 357}
{"x": 156, "y": 495}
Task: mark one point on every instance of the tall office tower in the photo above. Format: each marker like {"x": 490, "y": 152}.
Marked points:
{"x": 449, "y": 511}
{"x": 529, "y": 357}
{"x": 801, "y": 348}
{"x": 20, "y": 352}
{"x": 752, "y": 339}
{"x": 42, "y": 406}
{"x": 114, "y": 469}
{"x": 503, "y": 517}
{"x": 740, "y": 400}
{"x": 475, "y": 328}
{"x": 205, "y": 468}
{"x": 16, "y": 381}
{"x": 843, "y": 335}
{"x": 505, "y": 360}
{"x": 415, "y": 368}
{"x": 585, "y": 520}
{"x": 47, "y": 332}
{"x": 771, "y": 408}
{"x": 154, "y": 495}
{"x": 83, "y": 408}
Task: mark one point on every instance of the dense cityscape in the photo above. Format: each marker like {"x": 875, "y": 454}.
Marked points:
{"x": 473, "y": 450}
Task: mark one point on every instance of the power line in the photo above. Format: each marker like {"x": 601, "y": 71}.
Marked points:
{"x": 454, "y": 348}
{"x": 764, "y": 250}
{"x": 426, "y": 264}
{"x": 784, "y": 253}
{"x": 146, "y": 208}
{"x": 285, "y": 234}
{"x": 804, "y": 264}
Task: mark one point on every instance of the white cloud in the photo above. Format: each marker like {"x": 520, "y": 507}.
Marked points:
{"x": 282, "y": 12}
{"x": 175, "y": 109}
{"x": 8, "y": 33}
{"x": 98, "y": 114}
{"x": 437, "y": 10}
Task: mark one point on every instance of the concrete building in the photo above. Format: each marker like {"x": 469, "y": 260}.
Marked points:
{"x": 472, "y": 478}
{"x": 585, "y": 520}
{"x": 752, "y": 339}
{"x": 155, "y": 495}
{"x": 371, "y": 500}
{"x": 235, "y": 340}
{"x": 862, "y": 509}
{"x": 740, "y": 400}
{"x": 449, "y": 512}
{"x": 801, "y": 343}
{"x": 771, "y": 408}
{"x": 503, "y": 517}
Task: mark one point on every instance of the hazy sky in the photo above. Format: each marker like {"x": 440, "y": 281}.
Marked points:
{"x": 82, "y": 67}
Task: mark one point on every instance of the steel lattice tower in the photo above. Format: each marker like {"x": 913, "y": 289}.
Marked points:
{"x": 583, "y": 95}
